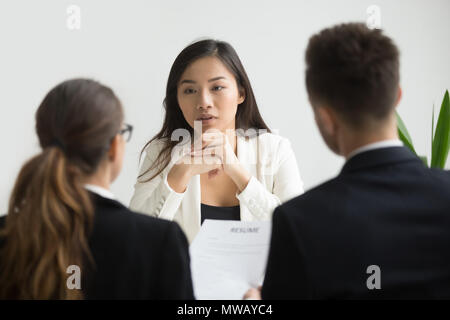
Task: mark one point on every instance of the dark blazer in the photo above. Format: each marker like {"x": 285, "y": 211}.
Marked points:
{"x": 136, "y": 256}
{"x": 385, "y": 208}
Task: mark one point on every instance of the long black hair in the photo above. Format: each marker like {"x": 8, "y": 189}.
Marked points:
{"x": 247, "y": 115}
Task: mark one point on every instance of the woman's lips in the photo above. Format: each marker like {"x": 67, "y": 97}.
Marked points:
{"x": 207, "y": 119}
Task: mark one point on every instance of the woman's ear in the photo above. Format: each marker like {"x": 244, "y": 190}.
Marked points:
{"x": 114, "y": 148}
{"x": 241, "y": 95}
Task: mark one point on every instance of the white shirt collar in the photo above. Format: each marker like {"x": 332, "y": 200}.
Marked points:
{"x": 102, "y": 192}
{"x": 375, "y": 145}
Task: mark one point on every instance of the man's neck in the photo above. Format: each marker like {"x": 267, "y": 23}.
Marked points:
{"x": 353, "y": 141}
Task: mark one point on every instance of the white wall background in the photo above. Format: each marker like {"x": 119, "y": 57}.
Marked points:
{"x": 130, "y": 46}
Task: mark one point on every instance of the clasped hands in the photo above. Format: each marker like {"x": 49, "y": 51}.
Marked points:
{"x": 212, "y": 153}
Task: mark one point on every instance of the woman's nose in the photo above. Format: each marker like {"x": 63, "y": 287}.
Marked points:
{"x": 204, "y": 100}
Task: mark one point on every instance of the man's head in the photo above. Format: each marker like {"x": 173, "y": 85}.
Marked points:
{"x": 352, "y": 78}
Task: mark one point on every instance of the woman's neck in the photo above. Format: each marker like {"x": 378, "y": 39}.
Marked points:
{"x": 99, "y": 178}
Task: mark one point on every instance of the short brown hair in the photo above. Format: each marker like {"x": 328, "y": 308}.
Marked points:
{"x": 354, "y": 70}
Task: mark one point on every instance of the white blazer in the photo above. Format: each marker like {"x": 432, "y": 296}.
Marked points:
{"x": 268, "y": 158}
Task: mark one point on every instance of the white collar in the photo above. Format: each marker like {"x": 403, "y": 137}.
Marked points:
{"x": 102, "y": 192}
{"x": 375, "y": 145}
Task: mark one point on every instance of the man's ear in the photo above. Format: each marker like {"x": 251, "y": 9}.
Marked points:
{"x": 399, "y": 96}
{"x": 326, "y": 119}
{"x": 113, "y": 148}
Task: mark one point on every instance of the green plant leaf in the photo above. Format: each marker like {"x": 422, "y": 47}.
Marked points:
{"x": 441, "y": 140}
{"x": 404, "y": 134}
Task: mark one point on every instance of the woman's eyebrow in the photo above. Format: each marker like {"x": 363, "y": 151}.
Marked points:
{"x": 187, "y": 81}
{"x": 210, "y": 80}
{"x": 216, "y": 78}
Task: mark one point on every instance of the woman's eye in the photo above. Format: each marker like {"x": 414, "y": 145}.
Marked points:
{"x": 217, "y": 88}
{"x": 189, "y": 90}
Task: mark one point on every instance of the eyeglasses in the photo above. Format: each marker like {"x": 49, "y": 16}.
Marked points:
{"x": 126, "y": 132}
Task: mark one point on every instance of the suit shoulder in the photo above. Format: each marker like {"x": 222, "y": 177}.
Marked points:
{"x": 119, "y": 220}
{"x": 441, "y": 180}
{"x": 156, "y": 233}
{"x": 317, "y": 191}
{"x": 155, "y": 225}
{"x": 316, "y": 197}
{"x": 443, "y": 175}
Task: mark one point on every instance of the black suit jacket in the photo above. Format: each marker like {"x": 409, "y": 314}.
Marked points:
{"x": 136, "y": 256}
{"x": 385, "y": 208}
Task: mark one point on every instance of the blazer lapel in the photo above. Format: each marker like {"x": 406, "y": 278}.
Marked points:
{"x": 247, "y": 156}
{"x": 192, "y": 208}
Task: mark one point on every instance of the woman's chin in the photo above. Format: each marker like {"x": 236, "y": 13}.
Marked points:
{"x": 210, "y": 127}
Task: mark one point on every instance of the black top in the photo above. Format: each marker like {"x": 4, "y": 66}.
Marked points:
{"x": 220, "y": 213}
{"x": 136, "y": 256}
{"x": 385, "y": 208}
